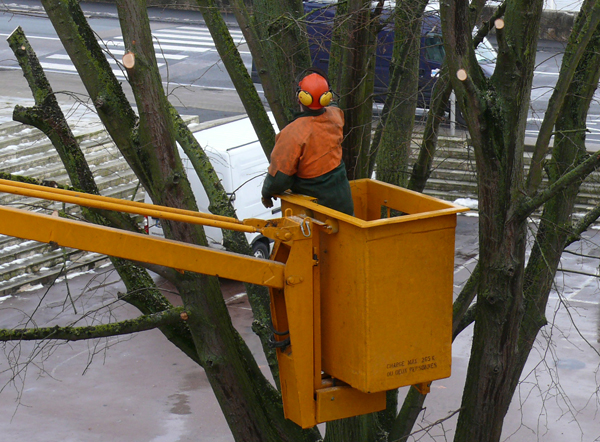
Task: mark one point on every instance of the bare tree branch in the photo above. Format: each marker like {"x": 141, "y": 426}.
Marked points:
{"x": 260, "y": 59}
{"x": 585, "y": 29}
{"x": 584, "y": 223}
{"x": 141, "y": 323}
{"x": 485, "y": 28}
{"x": 460, "y": 308}
{"x": 48, "y": 117}
{"x": 238, "y": 73}
{"x": 529, "y": 205}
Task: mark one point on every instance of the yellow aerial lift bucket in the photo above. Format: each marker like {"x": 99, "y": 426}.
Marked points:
{"x": 360, "y": 304}
{"x": 382, "y": 317}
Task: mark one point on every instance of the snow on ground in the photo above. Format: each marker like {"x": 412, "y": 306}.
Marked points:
{"x": 79, "y": 115}
{"x": 467, "y": 202}
{"x": 471, "y": 203}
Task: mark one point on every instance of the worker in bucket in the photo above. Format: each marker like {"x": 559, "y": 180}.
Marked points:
{"x": 307, "y": 157}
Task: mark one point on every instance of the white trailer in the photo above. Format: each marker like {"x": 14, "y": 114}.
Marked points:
{"x": 240, "y": 163}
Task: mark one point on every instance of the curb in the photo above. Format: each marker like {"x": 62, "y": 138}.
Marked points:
{"x": 555, "y": 25}
{"x": 155, "y": 14}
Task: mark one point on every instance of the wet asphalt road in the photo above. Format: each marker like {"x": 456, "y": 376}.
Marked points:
{"x": 141, "y": 388}
{"x": 138, "y": 388}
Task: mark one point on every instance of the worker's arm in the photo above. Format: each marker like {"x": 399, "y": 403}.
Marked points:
{"x": 284, "y": 163}
{"x": 275, "y": 185}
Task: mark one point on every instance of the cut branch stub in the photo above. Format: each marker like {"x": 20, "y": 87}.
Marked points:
{"x": 129, "y": 60}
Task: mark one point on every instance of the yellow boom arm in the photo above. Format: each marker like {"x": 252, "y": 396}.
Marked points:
{"x": 135, "y": 246}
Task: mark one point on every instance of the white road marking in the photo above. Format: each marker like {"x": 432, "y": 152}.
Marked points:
{"x": 163, "y": 47}
{"x": 466, "y": 264}
{"x": 552, "y": 74}
{"x": 235, "y": 297}
{"x": 29, "y": 37}
{"x": 67, "y": 58}
{"x": 158, "y": 55}
{"x": 70, "y": 68}
{"x": 193, "y": 30}
{"x": 184, "y": 37}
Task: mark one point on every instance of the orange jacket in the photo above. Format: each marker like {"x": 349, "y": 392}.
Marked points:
{"x": 309, "y": 146}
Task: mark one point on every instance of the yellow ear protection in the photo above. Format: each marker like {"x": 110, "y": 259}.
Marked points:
{"x": 306, "y": 98}
{"x": 314, "y": 84}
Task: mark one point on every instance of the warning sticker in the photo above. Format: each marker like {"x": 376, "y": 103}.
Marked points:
{"x": 399, "y": 368}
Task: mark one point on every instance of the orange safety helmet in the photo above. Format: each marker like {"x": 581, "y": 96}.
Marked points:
{"x": 314, "y": 91}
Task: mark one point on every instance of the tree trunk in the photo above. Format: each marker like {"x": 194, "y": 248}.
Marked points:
{"x": 238, "y": 74}
{"x": 358, "y": 428}
{"x": 437, "y": 108}
{"x": 489, "y": 388}
{"x": 393, "y": 139}
{"x": 220, "y": 204}
{"x": 506, "y": 322}
{"x": 439, "y": 103}
{"x": 584, "y": 30}
{"x": 250, "y": 404}
{"x": 356, "y": 86}
{"x": 47, "y": 116}
{"x": 496, "y": 123}
{"x": 555, "y": 225}
{"x": 278, "y": 41}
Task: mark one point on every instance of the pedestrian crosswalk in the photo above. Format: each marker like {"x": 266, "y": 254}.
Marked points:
{"x": 171, "y": 45}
